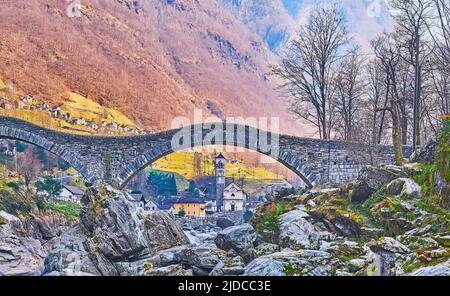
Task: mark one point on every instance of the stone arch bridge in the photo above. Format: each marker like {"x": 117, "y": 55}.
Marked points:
{"x": 117, "y": 159}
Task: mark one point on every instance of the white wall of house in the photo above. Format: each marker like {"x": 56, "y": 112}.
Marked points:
{"x": 68, "y": 196}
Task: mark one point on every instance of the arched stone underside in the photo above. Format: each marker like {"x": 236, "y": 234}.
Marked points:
{"x": 117, "y": 159}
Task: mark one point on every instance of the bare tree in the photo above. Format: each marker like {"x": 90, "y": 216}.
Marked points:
{"x": 307, "y": 72}
{"x": 411, "y": 18}
{"x": 387, "y": 52}
{"x": 349, "y": 92}
{"x": 29, "y": 166}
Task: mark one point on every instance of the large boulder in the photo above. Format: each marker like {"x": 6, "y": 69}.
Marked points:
{"x": 74, "y": 254}
{"x": 361, "y": 191}
{"x": 425, "y": 154}
{"x": 162, "y": 231}
{"x": 345, "y": 226}
{"x": 224, "y": 222}
{"x": 436, "y": 270}
{"x": 303, "y": 262}
{"x": 113, "y": 233}
{"x": 378, "y": 176}
{"x": 239, "y": 238}
{"x": 405, "y": 188}
{"x": 295, "y": 230}
{"x": 171, "y": 270}
{"x": 232, "y": 266}
{"x": 20, "y": 256}
{"x": 201, "y": 260}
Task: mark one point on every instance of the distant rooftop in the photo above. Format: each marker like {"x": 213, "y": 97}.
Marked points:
{"x": 190, "y": 200}
{"x": 74, "y": 190}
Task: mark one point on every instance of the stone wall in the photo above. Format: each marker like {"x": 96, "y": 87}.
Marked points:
{"x": 118, "y": 159}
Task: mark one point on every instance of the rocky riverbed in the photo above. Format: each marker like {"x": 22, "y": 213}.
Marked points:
{"x": 378, "y": 225}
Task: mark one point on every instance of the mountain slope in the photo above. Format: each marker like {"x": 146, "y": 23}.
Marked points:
{"x": 152, "y": 60}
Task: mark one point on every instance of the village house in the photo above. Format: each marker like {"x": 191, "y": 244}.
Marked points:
{"x": 70, "y": 194}
{"x": 191, "y": 206}
{"x": 144, "y": 202}
{"x": 25, "y": 102}
{"x": 233, "y": 198}
{"x": 6, "y": 104}
{"x": 211, "y": 206}
{"x": 166, "y": 204}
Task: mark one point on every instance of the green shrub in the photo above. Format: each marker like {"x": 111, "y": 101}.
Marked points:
{"x": 269, "y": 227}
{"x": 12, "y": 204}
{"x": 443, "y": 152}
{"x": 70, "y": 210}
{"x": 49, "y": 185}
{"x": 248, "y": 216}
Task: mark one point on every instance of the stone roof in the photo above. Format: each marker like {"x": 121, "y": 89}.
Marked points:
{"x": 74, "y": 190}
{"x": 190, "y": 200}
{"x": 233, "y": 185}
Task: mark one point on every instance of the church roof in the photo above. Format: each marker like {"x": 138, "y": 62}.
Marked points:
{"x": 233, "y": 185}
{"x": 220, "y": 156}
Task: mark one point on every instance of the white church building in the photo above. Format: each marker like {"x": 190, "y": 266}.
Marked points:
{"x": 233, "y": 198}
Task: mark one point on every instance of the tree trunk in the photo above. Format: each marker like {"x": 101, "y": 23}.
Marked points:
{"x": 396, "y": 136}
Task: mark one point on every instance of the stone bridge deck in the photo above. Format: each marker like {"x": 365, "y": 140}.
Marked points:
{"x": 117, "y": 159}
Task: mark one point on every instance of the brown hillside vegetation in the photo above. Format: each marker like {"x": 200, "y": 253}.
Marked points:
{"x": 152, "y": 60}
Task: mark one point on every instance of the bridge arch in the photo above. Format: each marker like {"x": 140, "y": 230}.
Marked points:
{"x": 282, "y": 155}
{"x": 42, "y": 140}
{"x": 116, "y": 159}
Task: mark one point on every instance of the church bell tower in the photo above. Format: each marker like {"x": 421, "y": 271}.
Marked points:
{"x": 219, "y": 165}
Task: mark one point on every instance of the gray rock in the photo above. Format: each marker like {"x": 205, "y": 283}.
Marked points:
{"x": 425, "y": 153}
{"x": 171, "y": 270}
{"x": 266, "y": 249}
{"x": 346, "y": 226}
{"x": 20, "y": 256}
{"x": 233, "y": 266}
{"x": 378, "y": 176}
{"x": 295, "y": 230}
{"x": 437, "y": 270}
{"x": 388, "y": 244}
{"x": 203, "y": 258}
{"x": 405, "y": 188}
{"x": 303, "y": 262}
{"x": 361, "y": 191}
{"x": 162, "y": 231}
{"x": 224, "y": 222}
{"x": 239, "y": 238}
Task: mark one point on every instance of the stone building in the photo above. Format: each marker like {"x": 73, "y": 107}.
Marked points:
{"x": 70, "y": 194}
{"x": 233, "y": 199}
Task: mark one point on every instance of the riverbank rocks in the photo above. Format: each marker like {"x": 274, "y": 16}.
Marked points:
{"x": 20, "y": 256}
{"x": 404, "y": 188}
{"x": 170, "y": 270}
{"x": 303, "y": 262}
{"x": 425, "y": 153}
{"x": 361, "y": 191}
{"x": 239, "y": 238}
{"x": 296, "y": 231}
{"x": 437, "y": 270}
{"x": 224, "y": 222}
{"x": 377, "y": 176}
{"x": 233, "y": 266}
{"x": 162, "y": 231}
